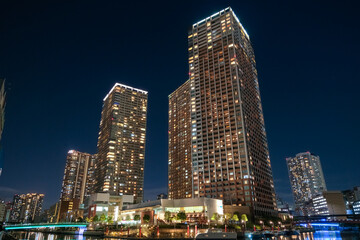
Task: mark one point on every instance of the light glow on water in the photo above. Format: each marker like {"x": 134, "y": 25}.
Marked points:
{"x": 319, "y": 235}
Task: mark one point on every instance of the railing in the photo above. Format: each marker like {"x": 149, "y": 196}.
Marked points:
{"x": 43, "y": 225}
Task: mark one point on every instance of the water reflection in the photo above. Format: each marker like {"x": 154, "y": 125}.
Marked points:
{"x": 319, "y": 235}
{"x": 48, "y": 236}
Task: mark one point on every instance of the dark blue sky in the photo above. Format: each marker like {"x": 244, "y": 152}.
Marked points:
{"x": 60, "y": 58}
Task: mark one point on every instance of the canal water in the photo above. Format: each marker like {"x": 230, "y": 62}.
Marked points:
{"x": 320, "y": 235}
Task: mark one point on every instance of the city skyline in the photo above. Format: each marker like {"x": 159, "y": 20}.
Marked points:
{"x": 78, "y": 130}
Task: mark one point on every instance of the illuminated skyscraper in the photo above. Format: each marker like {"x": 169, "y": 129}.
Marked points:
{"x": 229, "y": 151}
{"x": 179, "y": 168}
{"x": 77, "y": 183}
{"x": 121, "y": 143}
{"x": 306, "y": 179}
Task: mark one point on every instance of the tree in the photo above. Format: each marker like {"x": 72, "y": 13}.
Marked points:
{"x": 102, "y": 218}
{"x": 146, "y": 218}
{"x": 167, "y": 216}
{"x": 215, "y": 217}
{"x": 127, "y": 218}
{"x": 235, "y": 217}
{"x": 109, "y": 219}
{"x": 79, "y": 219}
{"x": 181, "y": 216}
{"x": 244, "y": 218}
{"x": 136, "y": 217}
{"x": 89, "y": 220}
{"x": 95, "y": 218}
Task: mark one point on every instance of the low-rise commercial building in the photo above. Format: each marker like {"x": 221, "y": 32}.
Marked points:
{"x": 196, "y": 210}
{"x": 98, "y": 204}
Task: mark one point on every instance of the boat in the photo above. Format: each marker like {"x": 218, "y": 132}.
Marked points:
{"x": 216, "y": 234}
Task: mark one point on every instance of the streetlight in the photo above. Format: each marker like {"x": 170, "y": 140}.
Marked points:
{"x": 262, "y": 223}
{"x": 272, "y": 225}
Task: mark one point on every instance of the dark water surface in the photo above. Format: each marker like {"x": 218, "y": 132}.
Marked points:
{"x": 320, "y": 235}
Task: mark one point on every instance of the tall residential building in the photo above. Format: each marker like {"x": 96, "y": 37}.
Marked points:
{"x": 26, "y": 207}
{"x": 77, "y": 182}
{"x": 306, "y": 179}
{"x": 229, "y": 150}
{"x": 121, "y": 143}
{"x": 179, "y": 168}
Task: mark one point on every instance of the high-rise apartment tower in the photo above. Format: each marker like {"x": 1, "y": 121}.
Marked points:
{"x": 306, "y": 179}
{"x": 121, "y": 143}
{"x": 179, "y": 168}
{"x": 229, "y": 150}
{"x": 77, "y": 183}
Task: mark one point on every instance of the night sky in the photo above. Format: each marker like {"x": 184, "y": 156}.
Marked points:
{"x": 60, "y": 58}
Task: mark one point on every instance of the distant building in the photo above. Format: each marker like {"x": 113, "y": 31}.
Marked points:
{"x": 2, "y": 117}
{"x": 282, "y": 205}
{"x": 8, "y": 208}
{"x": 306, "y": 179}
{"x": 53, "y": 212}
{"x": 356, "y": 207}
{"x": 16, "y": 210}
{"x": 121, "y": 143}
{"x": 351, "y": 196}
{"x": 2, "y": 211}
{"x": 198, "y": 210}
{"x": 329, "y": 203}
{"x": 77, "y": 183}
{"x": 26, "y": 207}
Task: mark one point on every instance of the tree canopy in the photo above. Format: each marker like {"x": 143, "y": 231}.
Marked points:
{"x": 181, "y": 216}
{"x": 146, "y": 218}
{"x": 95, "y": 218}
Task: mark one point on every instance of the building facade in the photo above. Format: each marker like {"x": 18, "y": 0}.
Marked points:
{"x": 329, "y": 203}
{"x": 229, "y": 150}
{"x": 77, "y": 183}
{"x": 2, "y": 117}
{"x": 306, "y": 179}
{"x": 351, "y": 196}
{"x": 104, "y": 203}
{"x": 26, "y": 207}
{"x": 180, "y": 165}
{"x": 356, "y": 207}
{"x": 199, "y": 210}
{"x": 121, "y": 143}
